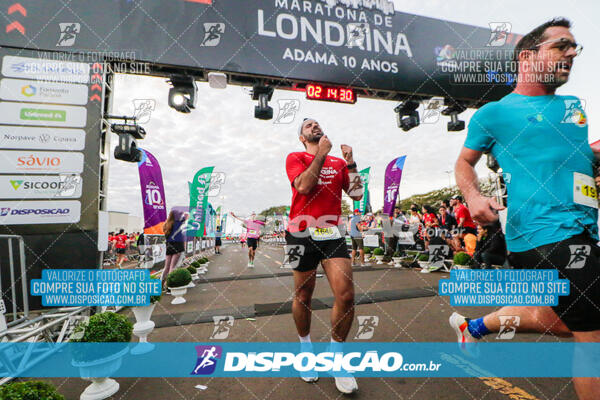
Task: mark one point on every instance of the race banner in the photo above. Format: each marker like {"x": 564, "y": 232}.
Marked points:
{"x": 362, "y": 204}
{"x": 210, "y": 218}
{"x": 199, "y": 201}
{"x": 223, "y": 223}
{"x": 153, "y": 194}
{"x": 393, "y": 174}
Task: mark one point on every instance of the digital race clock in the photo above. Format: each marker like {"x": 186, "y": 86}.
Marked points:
{"x": 338, "y": 94}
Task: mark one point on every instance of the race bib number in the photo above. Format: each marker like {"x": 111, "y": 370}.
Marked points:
{"x": 584, "y": 190}
{"x": 252, "y": 232}
{"x": 371, "y": 241}
{"x": 330, "y": 233}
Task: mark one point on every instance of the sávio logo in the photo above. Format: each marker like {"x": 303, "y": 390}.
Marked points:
{"x": 28, "y": 90}
{"x": 366, "y": 326}
{"x": 4, "y": 211}
{"x": 223, "y": 324}
{"x": 212, "y": 34}
{"x": 508, "y": 326}
{"x": 32, "y": 161}
{"x": 207, "y": 359}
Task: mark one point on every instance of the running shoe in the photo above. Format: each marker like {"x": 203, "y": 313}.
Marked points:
{"x": 250, "y": 265}
{"x": 466, "y": 342}
{"x": 346, "y": 384}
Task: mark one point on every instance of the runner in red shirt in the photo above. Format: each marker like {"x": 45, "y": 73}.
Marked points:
{"x": 316, "y": 233}
{"x": 121, "y": 242}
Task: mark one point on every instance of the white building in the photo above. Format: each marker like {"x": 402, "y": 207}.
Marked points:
{"x": 122, "y": 220}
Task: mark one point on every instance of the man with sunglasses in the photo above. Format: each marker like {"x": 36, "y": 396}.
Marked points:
{"x": 541, "y": 140}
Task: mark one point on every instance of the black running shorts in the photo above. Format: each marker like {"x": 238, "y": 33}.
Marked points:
{"x": 252, "y": 242}
{"x": 578, "y": 260}
{"x": 304, "y": 254}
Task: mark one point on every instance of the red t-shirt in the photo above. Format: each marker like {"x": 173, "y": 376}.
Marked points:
{"x": 430, "y": 218}
{"x": 121, "y": 241}
{"x": 463, "y": 212}
{"x": 325, "y": 199}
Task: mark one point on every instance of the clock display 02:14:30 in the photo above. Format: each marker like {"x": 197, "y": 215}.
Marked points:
{"x": 330, "y": 93}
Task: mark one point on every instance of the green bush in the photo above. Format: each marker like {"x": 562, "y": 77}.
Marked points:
{"x": 423, "y": 257}
{"x": 192, "y": 269}
{"x": 387, "y": 258}
{"x": 29, "y": 390}
{"x": 367, "y": 250}
{"x": 378, "y": 251}
{"x": 196, "y": 264}
{"x": 178, "y": 278}
{"x": 462, "y": 258}
{"x": 155, "y": 299}
{"x": 203, "y": 260}
{"x": 104, "y": 327}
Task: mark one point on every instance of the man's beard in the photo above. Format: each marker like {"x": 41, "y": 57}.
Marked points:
{"x": 314, "y": 137}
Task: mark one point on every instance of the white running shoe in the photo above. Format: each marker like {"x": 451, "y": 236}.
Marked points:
{"x": 466, "y": 341}
{"x": 346, "y": 384}
{"x": 250, "y": 265}
{"x": 308, "y": 378}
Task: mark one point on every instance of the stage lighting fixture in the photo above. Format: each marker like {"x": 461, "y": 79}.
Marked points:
{"x": 407, "y": 116}
{"x": 182, "y": 96}
{"x": 127, "y": 149}
{"x": 455, "y": 124}
{"x": 263, "y": 94}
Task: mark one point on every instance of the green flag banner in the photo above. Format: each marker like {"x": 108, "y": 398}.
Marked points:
{"x": 199, "y": 201}
{"x": 362, "y": 204}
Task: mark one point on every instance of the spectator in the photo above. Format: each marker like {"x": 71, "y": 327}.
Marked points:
{"x": 414, "y": 218}
{"x": 447, "y": 221}
{"x": 431, "y": 224}
{"x": 491, "y": 245}
{"x": 175, "y": 241}
{"x": 464, "y": 221}
{"x": 446, "y": 204}
{"x": 356, "y": 228}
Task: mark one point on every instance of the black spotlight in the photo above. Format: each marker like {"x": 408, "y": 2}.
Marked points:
{"x": 455, "y": 124}
{"x": 263, "y": 94}
{"x": 407, "y": 116}
{"x": 127, "y": 149}
{"x": 182, "y": 96}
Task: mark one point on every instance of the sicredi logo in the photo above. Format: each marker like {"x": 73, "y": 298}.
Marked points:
{"x": 25, "y": 137}
{"x": 40, "y": 212}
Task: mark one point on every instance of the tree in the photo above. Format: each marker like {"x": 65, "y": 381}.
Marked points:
{"x": 279, "y": 210}
{"x": 346, "y": 210}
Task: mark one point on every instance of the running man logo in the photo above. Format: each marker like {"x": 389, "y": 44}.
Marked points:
{"x": 212, "y": 34}
{"x": 68, "y": 33}
{"x": 575, "y": 113}
{"x": 508, "y": 326}
{"x": 207, "y": 359}
{"x": 287, "y": 111}
{"x": 293, "y": 253}
{"x": 223, "y": 324}
{"x": 69, "y": 185}
{"x": 366, "y": 326}
{"x": 499, "y": 34}
{"x": 4, "y": 211}
{"x": 356, "y": 34}
{"x": 579, "y": 255}
{"x": 356, "y": 187}
{"x": 217, "y": 179}
{"x": 143, "y": 109}
{"x": 437, "y": 254}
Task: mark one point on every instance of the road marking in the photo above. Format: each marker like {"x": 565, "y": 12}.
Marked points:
{"x": 507, "y": 388}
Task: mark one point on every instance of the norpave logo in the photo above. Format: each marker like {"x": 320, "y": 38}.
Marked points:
{"x": 40, "y": 114}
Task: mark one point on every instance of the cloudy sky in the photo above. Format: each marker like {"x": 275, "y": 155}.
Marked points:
{"x": 222, "y": 131}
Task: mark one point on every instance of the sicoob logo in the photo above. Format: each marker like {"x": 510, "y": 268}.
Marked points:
{"x": 207, "y": 359}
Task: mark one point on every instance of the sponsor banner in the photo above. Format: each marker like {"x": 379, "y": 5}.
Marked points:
{"x": 289, "y": 359}
{"x": 362, "y": 204}
{"x": 64, "y": 186}
{"x": 199, "y": 202}
{"x": 393, "y": 174}
{"x": 40, "y": 162}
{"x": 153, "y": 194}
{"x": 43, "y": 92}
{"x": 39, "y": 212}
{"x": 45, "y": 70}
{"x": 25, "y": 137}
{"x": 42, "y": 114}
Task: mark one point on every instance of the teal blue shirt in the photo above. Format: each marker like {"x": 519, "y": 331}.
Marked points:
{"x": 539, "y": 142}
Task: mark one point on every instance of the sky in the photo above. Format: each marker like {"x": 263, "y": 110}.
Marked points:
{"x": 223, "y": 132}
